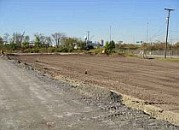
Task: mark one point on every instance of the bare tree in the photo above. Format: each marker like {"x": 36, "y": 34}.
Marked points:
{"x": 6, "y": 37}
{"x": 57, "y": 37}
{"x": 43, "y": 40}
{"x": 48, "y": 41}
{"x": 41, "y": 37}
{"x": 17, "y": 38}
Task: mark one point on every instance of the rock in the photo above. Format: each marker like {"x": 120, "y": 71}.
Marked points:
{"x": 50, "y": 124}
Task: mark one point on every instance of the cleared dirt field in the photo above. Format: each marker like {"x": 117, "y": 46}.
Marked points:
{"x": 156, "y": 82}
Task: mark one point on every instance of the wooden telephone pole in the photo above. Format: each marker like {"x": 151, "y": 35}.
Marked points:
{"x": 166, "y": 39}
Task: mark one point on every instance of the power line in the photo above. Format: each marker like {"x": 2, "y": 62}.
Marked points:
{"x": 159, "y": 32}
{"x": 168, "y": 21}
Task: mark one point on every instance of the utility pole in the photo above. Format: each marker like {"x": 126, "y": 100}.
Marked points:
{"x": 168, "y": 21}
{"x": 147, "y": 32}
{"x": 87, "y": 38}
{"x": 88, "y": 35}
{"x": 110, "y": 34}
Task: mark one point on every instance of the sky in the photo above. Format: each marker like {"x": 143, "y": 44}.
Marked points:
{"x": 130, "y": 20}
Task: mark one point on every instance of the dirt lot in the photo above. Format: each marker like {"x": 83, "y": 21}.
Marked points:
{"x": 32, "y": 100}
{"x": 156, "y": 82}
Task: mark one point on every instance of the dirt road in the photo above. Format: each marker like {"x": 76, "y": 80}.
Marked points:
{"x": 154, "y": 81}
{"x": 29, "y": 103}
{"x": 33, "y": 101}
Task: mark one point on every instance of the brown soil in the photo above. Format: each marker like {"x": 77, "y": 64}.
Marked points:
{"x": 156, "y": 82}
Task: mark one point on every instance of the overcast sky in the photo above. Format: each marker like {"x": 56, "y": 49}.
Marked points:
{"x": 130, "y": 19}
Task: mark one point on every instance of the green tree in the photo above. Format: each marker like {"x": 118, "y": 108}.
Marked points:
{"x": 37, "y": 41}
{"x": 1, "y": 44}
{"x": 26, "y": 39}
{"x": 14, "y": 46}
{"x": 80, "y": 44}
{"x": 69, "y": 43}
{"x": 109, "y": 47}
{"x": 26, "y": 42}
{"x": 1, "y": 41}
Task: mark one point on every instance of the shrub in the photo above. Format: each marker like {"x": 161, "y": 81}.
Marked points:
{"x": 34, "y": 50}
{"x": 109, "y": 47}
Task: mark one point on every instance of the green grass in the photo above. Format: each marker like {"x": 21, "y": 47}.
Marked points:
{"x": 96, "y": 51}
{"x": 169, "y": 59}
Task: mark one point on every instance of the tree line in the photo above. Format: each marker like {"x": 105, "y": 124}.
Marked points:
{"x": 59, "y": 42}
{"x": 55, "y": 42}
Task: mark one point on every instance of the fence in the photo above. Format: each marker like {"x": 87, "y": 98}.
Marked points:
{"x": 152, "y": 52}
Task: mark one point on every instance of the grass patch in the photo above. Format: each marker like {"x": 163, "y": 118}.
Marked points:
{"x": 96, "y": 51}
{"x": 169, "y": 59}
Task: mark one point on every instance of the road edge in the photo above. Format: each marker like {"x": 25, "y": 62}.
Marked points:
{"x": 152, "y": 110}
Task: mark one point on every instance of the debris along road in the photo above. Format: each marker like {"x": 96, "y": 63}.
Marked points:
{"x": 32, "y": 101}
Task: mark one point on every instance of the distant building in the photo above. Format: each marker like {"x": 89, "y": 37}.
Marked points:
{"x": 31, "y": 44}
{"x": 90, "y": 44}
{"x": 119, "y": 42}
{"x": 102, "y": 43}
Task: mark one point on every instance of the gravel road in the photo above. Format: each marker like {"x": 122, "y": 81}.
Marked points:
{"x": 33, "y": 101}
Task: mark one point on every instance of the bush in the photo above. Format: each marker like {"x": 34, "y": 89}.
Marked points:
{"x": 34, "y": 50}
{"x": 109, "y": 47}
{"x": 96, "y": 51}
{"x": 61, "y": 49}
{"x": 51, "y": 49}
